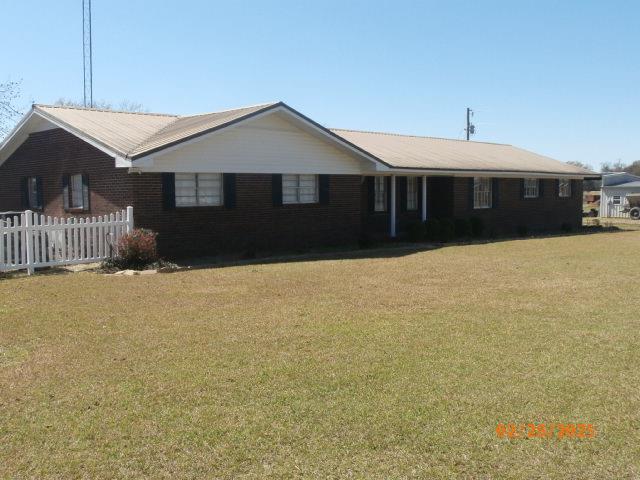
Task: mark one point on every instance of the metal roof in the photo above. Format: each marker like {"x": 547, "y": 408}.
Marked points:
{"x": 134, "y": 135}
{"x": 431, "y": 153}
{"x": 635, "y": 184}
{"x": 118, "y": 131}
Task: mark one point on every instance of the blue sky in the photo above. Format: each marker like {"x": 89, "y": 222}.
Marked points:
{"x": 561, "y": 78}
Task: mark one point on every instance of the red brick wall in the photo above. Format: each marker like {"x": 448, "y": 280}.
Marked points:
{"x": 547, "y": 212}
{"x": 449, "y": 197}
{"x": 51, "y": 155}
{"x": 254, "y": 223}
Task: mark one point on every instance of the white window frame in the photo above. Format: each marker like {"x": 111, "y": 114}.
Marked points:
{"x": 613, "y": 199}
{"x": 380, "y": 194}
{"x": 412, "y": 194}
{"x": 294, "y": 192}
{"x": 482, "y": 192}
{"x": 199, "y": 189}
{"x": 531, "y": 188}
{"x": 32, "y": 193}
{"x": 564, "y": 188}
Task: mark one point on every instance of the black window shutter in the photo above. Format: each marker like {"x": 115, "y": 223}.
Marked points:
{"x": 168, "y": 191}
{"x": 86, "y": 198}
{"x": 276, "y": 189}
{"x": 323, "y": 189}
{"x": 495, "y": 191}
{"x": 471, "y": 193}
{"x": 387, "y": 192}
{"x": 574, "y": 188}
{"x": 65, "y": 191}
{"x": 557, "y": 188}
{"x": 24, "y": 192}
{"x": 229, "y": 187}
{"x": 39, "y": 192}
{"x": 371, "y": 194}
{"x": 522, "y": 188}
{"x": 402, "y": 188}
{"x": 541, "y": 188}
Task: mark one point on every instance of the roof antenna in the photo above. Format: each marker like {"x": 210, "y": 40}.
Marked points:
{"x": 87, "y": 53}
{"x": 471, "y": 128}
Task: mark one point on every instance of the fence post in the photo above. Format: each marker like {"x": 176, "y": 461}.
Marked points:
{"x": 129, "y": 219}
{"x": 28, "y": 240}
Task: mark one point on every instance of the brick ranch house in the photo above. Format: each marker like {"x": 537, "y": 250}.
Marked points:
{"x": 267, "y": 177}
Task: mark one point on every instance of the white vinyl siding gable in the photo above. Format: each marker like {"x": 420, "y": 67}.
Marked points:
{"x": 198, "y": 189}
{"x": 482, "y": 192}
{"x": 299, "y": 188}
{"x": 269, "y": 144}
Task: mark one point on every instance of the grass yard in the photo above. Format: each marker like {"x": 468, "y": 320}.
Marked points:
{"x": 391, "y": 367}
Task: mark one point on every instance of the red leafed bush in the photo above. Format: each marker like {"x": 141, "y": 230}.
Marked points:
{"x": 137, "y": 249}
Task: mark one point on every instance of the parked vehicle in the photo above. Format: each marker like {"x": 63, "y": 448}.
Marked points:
{"x": 633, "y": 206}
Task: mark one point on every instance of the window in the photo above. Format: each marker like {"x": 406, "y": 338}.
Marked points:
{"x": 564, "y": 188}
{"x": 617, "y": 200}
{"x": 75, "y": 192}
{"x": 531, "y": 188}
{"x": 481, "y": 192}
{"x": 34, "y": 194}
{"x": 299, "y": 188}
{"x": 198, "y": 189}
{"x": 380, "y": 194}
{"x": 412, "y": 193}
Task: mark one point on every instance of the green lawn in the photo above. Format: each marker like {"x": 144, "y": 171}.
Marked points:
{"x": 391, "y": 367}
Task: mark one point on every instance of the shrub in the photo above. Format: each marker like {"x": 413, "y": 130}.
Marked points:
{"x": 566, "y": 227}
{"x": 365, "y": 240}
{"x": 137, "y": 249}
{"x": 447, "y": 230}
{"x": 416, "y": 231}
{"x": 522, "y": 230}
{"x": 432, "y": 229}
{"x": 477, "y": 226}
{"x": 462, "y": 227}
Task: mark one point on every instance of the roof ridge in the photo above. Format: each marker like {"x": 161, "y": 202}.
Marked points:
{"x": 414, "y": 136}
{"x": 157, "y": 132}
{"x": 229, "y": 110}
{"x": 257, "y": 108}
{"x": 89, "y": 109}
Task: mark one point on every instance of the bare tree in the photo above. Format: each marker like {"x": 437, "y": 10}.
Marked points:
{"x": 581, "y": 165}
{"x": 9, "y": 112}
{"x": 617, "y": 166}
{"x": 123, "y": 106}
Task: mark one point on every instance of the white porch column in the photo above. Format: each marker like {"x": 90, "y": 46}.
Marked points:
{"x": 392, "y": 213}
{"x": 424, "y": 198}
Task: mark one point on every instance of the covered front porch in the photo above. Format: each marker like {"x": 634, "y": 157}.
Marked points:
{"x": 394, "y": 201}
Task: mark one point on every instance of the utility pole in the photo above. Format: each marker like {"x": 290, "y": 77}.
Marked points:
{"x": 87, "y": 53}
{"x": 471, "y": 128}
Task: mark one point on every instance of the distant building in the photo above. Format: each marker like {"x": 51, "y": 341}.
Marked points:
{"x": 615, "y": 189}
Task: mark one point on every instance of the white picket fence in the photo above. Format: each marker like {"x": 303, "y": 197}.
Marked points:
{"x": 30, "y": 240}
